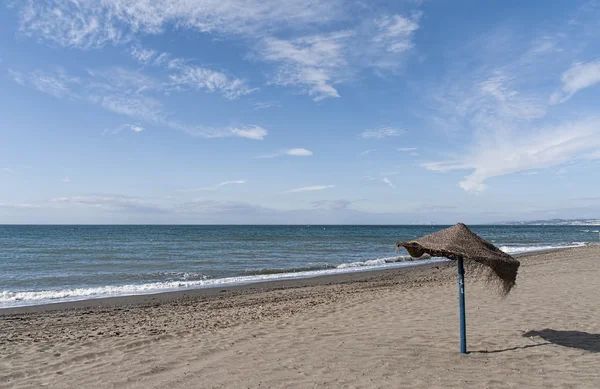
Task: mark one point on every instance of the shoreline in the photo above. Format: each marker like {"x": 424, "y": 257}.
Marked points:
{"x": 218, "y": 290}
{"x": 369, "y": 330}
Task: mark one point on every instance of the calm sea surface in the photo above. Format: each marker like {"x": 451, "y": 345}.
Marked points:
{"x": 45, "y": 264}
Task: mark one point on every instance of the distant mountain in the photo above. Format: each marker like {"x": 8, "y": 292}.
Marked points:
{"x": 556, "y": 222}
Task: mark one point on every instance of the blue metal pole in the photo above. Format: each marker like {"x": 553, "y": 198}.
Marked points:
{"x": 461, "y": 304}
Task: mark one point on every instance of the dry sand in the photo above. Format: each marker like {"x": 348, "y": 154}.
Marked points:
{"x": 394, "y": 329}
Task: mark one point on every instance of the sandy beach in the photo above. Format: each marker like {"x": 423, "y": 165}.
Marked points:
{"x": 394, "y": 328}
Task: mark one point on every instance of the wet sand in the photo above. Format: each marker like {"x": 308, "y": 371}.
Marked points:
{"x": 392, "y": 328}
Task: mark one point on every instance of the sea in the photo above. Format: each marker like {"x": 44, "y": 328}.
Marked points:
{"x": 44, "y": 264}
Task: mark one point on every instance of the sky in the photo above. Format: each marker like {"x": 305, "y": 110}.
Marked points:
{"x": 298, "y": 111}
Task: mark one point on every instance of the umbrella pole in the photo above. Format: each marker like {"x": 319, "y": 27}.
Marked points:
{"x": 461, "y": 306}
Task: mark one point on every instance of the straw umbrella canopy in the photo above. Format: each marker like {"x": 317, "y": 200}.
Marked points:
{"x": 459, "y": 242}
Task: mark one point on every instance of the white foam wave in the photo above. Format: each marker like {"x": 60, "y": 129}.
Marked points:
{"x": 24, "y": 298}
{"x": 529, "y": 249}
{"x": 380, "y": 261}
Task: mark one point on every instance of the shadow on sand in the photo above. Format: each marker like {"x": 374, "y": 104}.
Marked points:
{"x": 508, "y": 349}
{"x": 573, "y": 339}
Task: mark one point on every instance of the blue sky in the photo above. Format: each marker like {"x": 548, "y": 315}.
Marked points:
{"x": 248, "y": 111}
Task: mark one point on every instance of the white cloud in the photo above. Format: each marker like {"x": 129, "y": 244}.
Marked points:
{"x": 388, "y": 182}
{"x": 90, "y": 23}
{"x": 18, "y": 206}
{"x": 182, "y": 75}
{"x": 8, "y": 170}
{"x": 495, "y": 102}
{"x": 298, "y": 152}
{"x": 266, "y": 104}
{"x": 57, "y": 84}
{"x": 110, "y": 202}
{"x": 316, "y": 63}
{"x": 248, "y": 132}
{"x": 143, "y": 55}
{"x": 310, "y": 188}
{"x": 578, "y": 77}
{"x": 368, "y": 152}
{"x": 132, "y": 127}
{"x": 125, "y": 92}
{"x": 334, "y": 205}
{"x": 213, "y": 81}
{"x": 407, "y": 149}
{"x": 231, "y": 182}
{"x": 496, "y": 94}
{"x": 119, "y": 80}
{"x": 319, "y": 62}
{"x": 135, "y": 106}
{"x": 518, "y": 151}
{"x": 311, "y": 61}
{"x": 65, "y": 179}
{"x": 381, "y": 133}
{"x": 395, "y": 33}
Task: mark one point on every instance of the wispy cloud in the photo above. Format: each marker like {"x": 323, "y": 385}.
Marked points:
{"x": 131, "y": 127}
{"x": 19, "y": 206}
{"x": 216, "y": 187}
{"x": 578, "y": 77}
{"x": 368, "y": 152}
{"x": 57, "y": 84}
{"x": 298, "y": 152}
{"x": 110, "y": 202}
{"x": 65, "y": 179}
{"x": 310, "y": 188}
{"x": 97, "y": 23}
{"x": 497, "y": 105}
{"x": 317, "y": 63}
{"x": 381, "y": 133}
{"x": 248, "y": 132}
{"x": 143, "y": 55}
{"x": 127, "y": 93}
{"x": 210, "y": 80}
{"x": 335, "y": 205}
{"x": 310, "y": 61}
{"x": 137, "y": 106}
{"x": 388, "y": 182}
{"x": 510, "y": 153}
{"x": 392, "y": 36}
{"x": 7, "y": 170}
{"x": 266, "y": 104}
{"x": 407, "y": 149}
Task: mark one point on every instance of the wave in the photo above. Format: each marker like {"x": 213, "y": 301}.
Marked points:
{"x": 529, "y": 249}
{"x": 182, "y": 281}
{"x": 24, "y": 298}
{"x": 284, "y": 270}
{"x": 381, "y": 261}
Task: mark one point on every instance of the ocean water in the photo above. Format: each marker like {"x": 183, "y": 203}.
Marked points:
{"x": 48, "y": 264}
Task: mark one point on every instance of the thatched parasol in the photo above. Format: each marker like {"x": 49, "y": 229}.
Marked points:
{"x": 459, "y": 243}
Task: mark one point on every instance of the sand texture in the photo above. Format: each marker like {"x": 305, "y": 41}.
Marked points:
{"x": 391, "y": 329}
